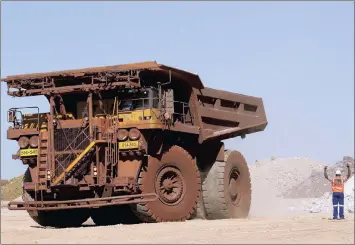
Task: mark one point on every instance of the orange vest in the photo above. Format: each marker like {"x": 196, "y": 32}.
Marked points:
{"x": 338, "y": 184}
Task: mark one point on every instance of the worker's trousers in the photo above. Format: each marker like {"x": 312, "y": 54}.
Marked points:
{"x": 338, "y": 201}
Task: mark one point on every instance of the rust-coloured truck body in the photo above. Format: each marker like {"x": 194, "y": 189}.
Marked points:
{"x": 107, "y": 126}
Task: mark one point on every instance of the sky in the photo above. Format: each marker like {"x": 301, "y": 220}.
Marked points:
{"x": 297, "y": 56}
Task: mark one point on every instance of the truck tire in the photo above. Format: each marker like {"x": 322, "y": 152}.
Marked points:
{"x": 113, "y": 215}
{"x": 62, "y": 218}
{"x": 55, "y": 218}
{"x": 176, "y": 180}
{"x": 226, "y": 189}
{"x": 200, "y": 212}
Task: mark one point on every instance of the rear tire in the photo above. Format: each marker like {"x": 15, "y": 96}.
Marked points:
{"x": 227, "y": 188}
{"x": 200, "y": 212}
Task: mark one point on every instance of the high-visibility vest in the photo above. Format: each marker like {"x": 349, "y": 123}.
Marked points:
{"x": 338, "y": 184}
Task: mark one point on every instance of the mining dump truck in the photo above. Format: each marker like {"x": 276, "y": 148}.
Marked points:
{"x": 130, "y": 143}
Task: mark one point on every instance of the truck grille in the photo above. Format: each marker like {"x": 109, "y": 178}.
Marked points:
{"x": 77, "y": 138}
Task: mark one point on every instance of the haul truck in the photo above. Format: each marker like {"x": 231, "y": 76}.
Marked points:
{"x": 131, "y": 143}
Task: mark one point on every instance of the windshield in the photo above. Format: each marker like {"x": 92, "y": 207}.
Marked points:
{"x": 139, "y": 101}
{"x": 126, "y": 105}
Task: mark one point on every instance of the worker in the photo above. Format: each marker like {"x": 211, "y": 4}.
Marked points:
{"x": 337, "y": 184}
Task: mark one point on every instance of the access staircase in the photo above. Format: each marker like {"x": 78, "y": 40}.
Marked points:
{"x": 42, "y": 160}
{"x": 74, "y": 165}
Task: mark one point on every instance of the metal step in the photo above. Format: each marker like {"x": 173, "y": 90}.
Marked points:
{"x": 43, "y": 159}
{"x": 44, "y": 151}
{"x": 44, "y": 135}
{"x": 42, "y": 173}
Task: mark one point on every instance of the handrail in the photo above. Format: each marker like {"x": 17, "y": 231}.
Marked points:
{"x": 26, "y": 107}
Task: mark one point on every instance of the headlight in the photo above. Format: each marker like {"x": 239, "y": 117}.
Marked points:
{"x": 34, "y": 141}
{"x": 134, "y": 134}
{"x": 122, "y": 134}
{"x": 23, "y": 142}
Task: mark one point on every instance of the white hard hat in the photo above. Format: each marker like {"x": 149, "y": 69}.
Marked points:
{"x": 338, "y": 172}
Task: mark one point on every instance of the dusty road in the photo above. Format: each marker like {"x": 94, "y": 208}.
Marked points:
{"x": 17, "y": 227}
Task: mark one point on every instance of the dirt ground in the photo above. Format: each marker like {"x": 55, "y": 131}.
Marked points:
{"x": 17, "y": 227}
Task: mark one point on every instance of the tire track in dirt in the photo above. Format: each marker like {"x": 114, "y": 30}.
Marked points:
{"x": 17, "y": 227}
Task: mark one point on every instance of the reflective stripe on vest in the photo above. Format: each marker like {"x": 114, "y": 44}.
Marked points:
{"x": 338, "y": 184}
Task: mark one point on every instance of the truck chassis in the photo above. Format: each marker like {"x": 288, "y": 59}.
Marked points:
{"x": 131, "y": 143}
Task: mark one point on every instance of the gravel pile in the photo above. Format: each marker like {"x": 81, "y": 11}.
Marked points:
{"x": 272, "y": 178}
{"x": 324, "y": 204}
{"x": 316, "y": 185}
{"x": 296, "y": 185}
{"x": 313, "y": 187}
{"x": 282, "y": 174}
{"x": 349, "y": 186}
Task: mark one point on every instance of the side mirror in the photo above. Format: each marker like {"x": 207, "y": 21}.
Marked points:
{"x": 11, "y": 116}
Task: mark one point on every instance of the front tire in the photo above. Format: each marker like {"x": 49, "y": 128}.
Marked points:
{"x": 55, "y": 218}
{"x": 176, "y": 180}
{"x": 113, "y": 215}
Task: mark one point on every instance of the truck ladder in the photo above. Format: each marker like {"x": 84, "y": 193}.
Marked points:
{"x": 42, "y": 160}
{"x": 112, "y": 150}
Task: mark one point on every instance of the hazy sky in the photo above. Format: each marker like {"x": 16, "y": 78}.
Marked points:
{"x": 297, "y": 56}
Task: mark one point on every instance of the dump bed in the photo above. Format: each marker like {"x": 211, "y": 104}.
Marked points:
{"x": 225, "y": 115}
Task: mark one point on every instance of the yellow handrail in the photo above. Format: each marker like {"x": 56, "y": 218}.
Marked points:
{"x": 73, "y": 163}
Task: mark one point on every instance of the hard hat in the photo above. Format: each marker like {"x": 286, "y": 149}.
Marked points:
{"x": 338, "y": 172}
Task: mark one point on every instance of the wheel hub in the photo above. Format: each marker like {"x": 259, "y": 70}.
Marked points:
{"x": 170, "y": 185}
{"x": 234, "y": 178}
